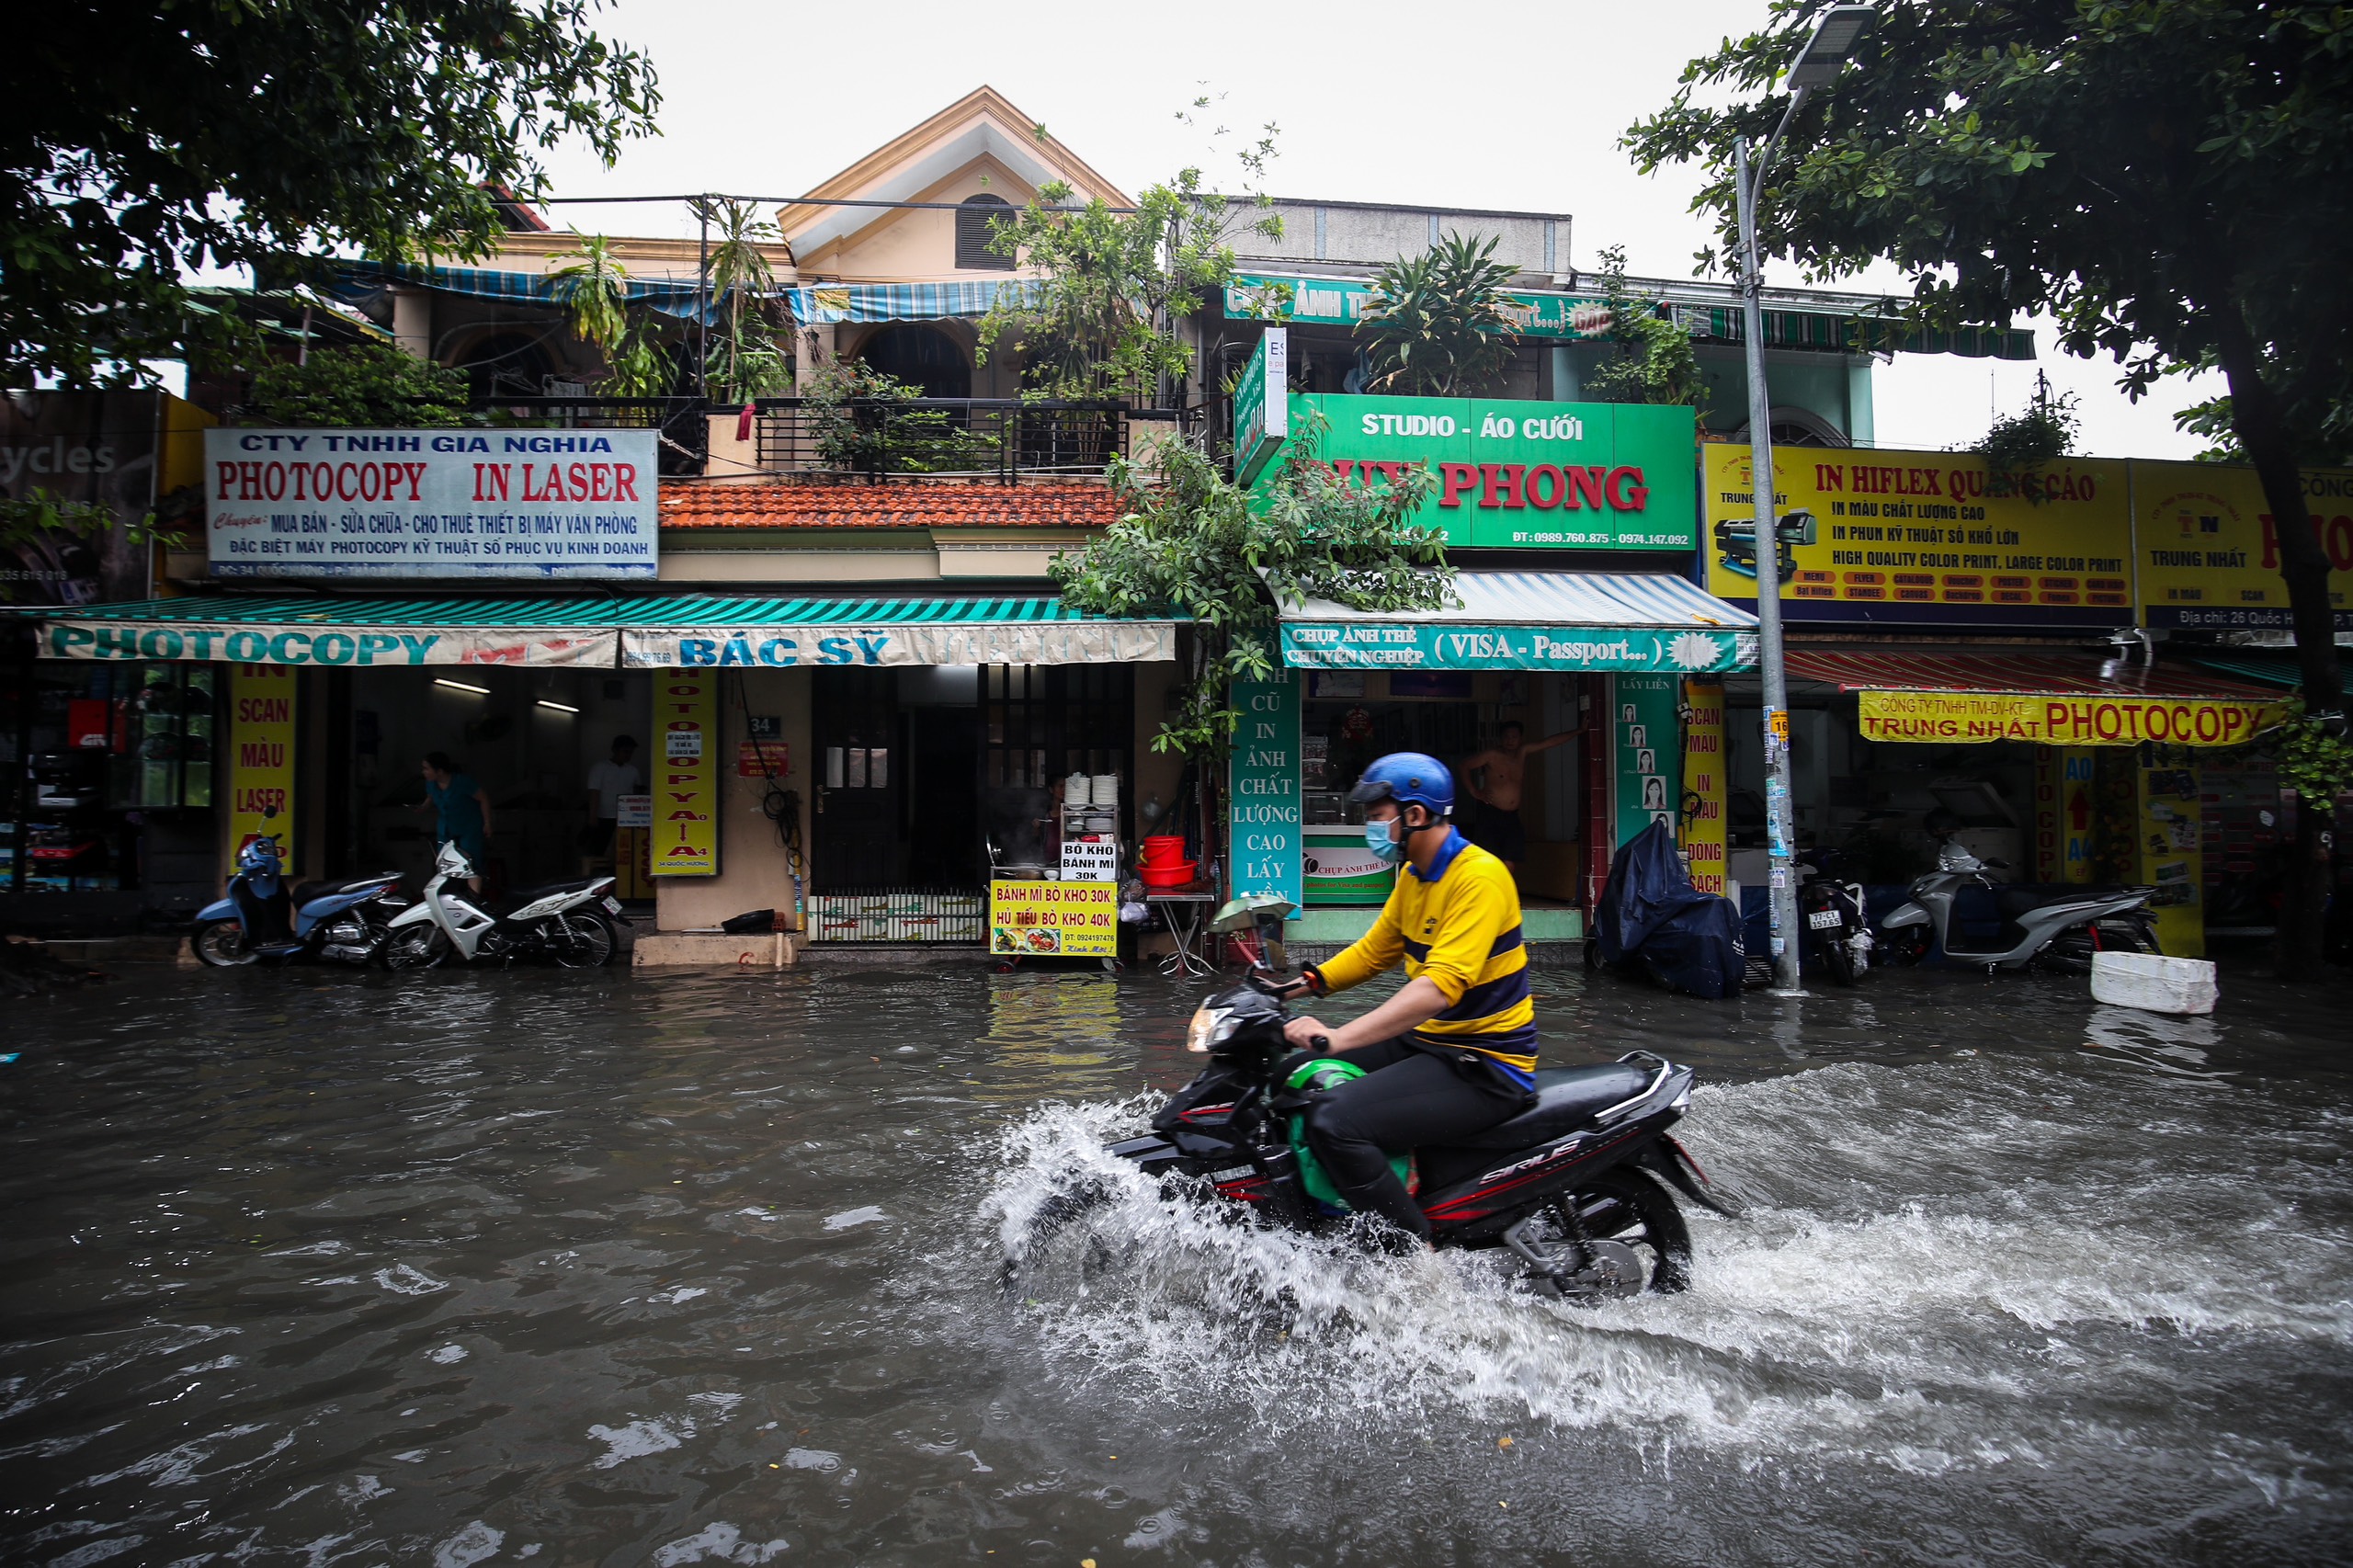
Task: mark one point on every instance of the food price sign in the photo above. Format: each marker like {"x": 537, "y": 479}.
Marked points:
{"x": 1077, "y": 920}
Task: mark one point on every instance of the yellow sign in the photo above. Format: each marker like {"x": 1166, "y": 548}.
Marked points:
{"x": 2169, "y": 856}
{"x": 1704, "y": 782}
{"x": 685, "y": 775}
{"x": 2209, "y": 551}
{"x": 261, "y": 755}
{"x": 1927, "y": 536}
{"x": 1054, "y": 919}
{"x": 1944, "y": 717}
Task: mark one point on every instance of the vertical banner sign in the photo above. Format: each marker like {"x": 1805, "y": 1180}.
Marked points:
{"x": 1643, "y": 729}
{"x": 2171, "y": 813}
{"x": 1262, "y": 787}
{"x": 2050, "y": 864}
{"x": 686, "y": 796}
{"x": 1262, "y": 405}
{"x": 1703, "y": 776}
{"x": 261, "y": 755}
{"x": 2078, "y": 812}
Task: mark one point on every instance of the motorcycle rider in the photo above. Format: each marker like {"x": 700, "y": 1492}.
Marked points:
{"x": 1454, "y": 1050}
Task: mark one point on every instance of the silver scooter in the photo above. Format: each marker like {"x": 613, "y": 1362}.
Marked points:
{"x": 2058, "y": 929}
{"x": 570, "y": 923}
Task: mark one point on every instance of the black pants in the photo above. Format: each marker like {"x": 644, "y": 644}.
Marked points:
{"x": 1409, "y": 1095}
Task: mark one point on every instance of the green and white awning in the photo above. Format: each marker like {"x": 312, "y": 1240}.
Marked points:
{"x": 1533, "y": 620}
{"x": 700, "y": 630}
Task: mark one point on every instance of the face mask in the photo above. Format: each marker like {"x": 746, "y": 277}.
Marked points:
{"x": 1376, "y": 839}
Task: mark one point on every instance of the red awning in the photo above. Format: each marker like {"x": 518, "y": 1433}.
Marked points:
{"x": 2018, "y": 674}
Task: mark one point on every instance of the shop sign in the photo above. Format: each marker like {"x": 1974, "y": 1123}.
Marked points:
{"x": 1262, "y": 789}
{"x": 1340, "y": 301}
{"x": 1091, "y": 858}
{"x": 1522, "y": 475}
{"x": 1262, "y": 404}
{"x": 1703, "y": 785}
{"x": 2064, "y": 814}
{"x": 1944, "y": 717}
{"x": 685, "y": 789}
{"x": 364, "y": 647}
{"x": 762, "y": 759}
{"x": 533, "y": 504}
{"x": 95, "y": 449}
{"x": 636, "y": 811}
{"x": 1054, "y": 919}
{"x": 1643, "y": 734}
{"x": 261, "y": 756}
{"x": 2169, "y": 858}
{"x": 985, "y": 643}
{"x": 1928, "y": 537}
{"x": 2210, "y": 551}
{"x": 1445, "y": 645}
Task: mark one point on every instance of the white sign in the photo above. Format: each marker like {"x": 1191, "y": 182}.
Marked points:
{"x": 979, "y": 643}
{"x": 431, "y": 503}
{"x": 363, "y": 643}
{"x": 1093, "y": 858}
{"x": 636, "y": 811}
{"x": 682, "y": 745}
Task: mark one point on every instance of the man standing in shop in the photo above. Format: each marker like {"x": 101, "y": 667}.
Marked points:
{"x": 607, "y": 782}
{"x": 1494, "y": 779}
{"x": 461, "y": 810}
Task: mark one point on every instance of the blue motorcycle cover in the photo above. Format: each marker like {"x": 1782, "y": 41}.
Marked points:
{"x": 1653, "y": 922}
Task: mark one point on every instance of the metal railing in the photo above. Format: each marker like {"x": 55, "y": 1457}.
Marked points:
{"x": 683, "y": 423}
{"x": 991, "y": 438}
{"x": 898, "y": 915}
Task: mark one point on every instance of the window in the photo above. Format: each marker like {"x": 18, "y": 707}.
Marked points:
{"x": 972, "y": 252}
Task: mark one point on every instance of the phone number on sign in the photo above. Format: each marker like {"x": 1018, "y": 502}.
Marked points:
{"x": 1679, "y": 541}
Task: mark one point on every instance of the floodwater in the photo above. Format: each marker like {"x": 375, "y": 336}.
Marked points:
{"x": 454, "y": 1268}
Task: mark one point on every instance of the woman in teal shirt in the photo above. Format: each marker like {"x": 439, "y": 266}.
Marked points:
{"x": 461, "y": 811}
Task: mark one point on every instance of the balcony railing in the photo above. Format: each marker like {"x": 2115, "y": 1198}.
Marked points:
{"x": 682, "y": 423}
{"x": 998, "y": 438}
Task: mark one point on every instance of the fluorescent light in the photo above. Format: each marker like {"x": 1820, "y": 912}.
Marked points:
{"x": 461, "y": 686}
{"x": 559, "y": 707}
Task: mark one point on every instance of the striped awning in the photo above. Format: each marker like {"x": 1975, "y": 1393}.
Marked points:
{"x": 1533, "y": 620}
{"x": 713, "y": 630}
{"x": 354, "y": 281}
{"x": 2023, "y": 674}
{"x": 830, "y": 303}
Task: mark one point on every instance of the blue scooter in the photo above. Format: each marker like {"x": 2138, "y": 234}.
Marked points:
{"x": 346, "y": 921}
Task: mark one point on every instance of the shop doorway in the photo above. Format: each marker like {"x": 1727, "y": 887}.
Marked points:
{"x": 861, "y": 781}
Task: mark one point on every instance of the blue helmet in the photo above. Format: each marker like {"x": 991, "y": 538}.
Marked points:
{"x": 1410, "y": 779}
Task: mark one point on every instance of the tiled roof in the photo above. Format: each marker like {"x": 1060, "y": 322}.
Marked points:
{"x": 911, "y": 505}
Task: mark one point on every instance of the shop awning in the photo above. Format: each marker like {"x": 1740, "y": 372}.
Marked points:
{"x": 641, "y": 632}
{"x": 705, "y": 630}
{"x": 1946, "y": 698}
{"x": 2268, "y": 666}
{"x": 309, "y": 628}
{"x": 1533, "y": 620}
{"x": 832, "y": 303}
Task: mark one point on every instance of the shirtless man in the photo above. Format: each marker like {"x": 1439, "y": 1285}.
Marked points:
{"x": 1494, "y": 779}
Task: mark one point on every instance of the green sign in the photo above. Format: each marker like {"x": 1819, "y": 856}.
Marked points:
{"x": 1453, "y": 645}
{"x": 1648, "y": 741}
{"x": 1262, "y": 405}
{"x": 1338, "y": 302}
{"x": 1262, "y": 787}
{"x": 1525, "y": 475}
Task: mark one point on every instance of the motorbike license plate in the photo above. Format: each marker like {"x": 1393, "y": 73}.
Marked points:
{"x": 1823, "y": 920}
{"x": 613, "y": 904}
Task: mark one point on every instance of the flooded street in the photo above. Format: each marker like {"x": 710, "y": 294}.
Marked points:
{"x": 315, "y": 1267}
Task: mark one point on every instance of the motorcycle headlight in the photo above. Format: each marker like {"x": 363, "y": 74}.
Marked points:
{"x": 1210, "y": 1028}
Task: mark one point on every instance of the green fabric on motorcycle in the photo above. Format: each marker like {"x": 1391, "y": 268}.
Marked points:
{"x": 1330, "y": 1072}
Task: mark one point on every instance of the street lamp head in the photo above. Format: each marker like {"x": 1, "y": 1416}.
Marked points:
{"x": 1832, "y": 45}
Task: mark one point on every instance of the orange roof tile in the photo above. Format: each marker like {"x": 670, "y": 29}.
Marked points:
{"x": 890, "y": 505}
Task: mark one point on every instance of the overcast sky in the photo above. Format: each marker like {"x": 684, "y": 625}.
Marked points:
{"x": 1516, "y": 107}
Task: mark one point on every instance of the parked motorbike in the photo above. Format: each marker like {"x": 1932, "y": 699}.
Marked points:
{"x": 570, "y": 923}
{"x": 1579, "y": 1188}
{"x": 345, "y": 922}
{"x": 2054, "y": 927}
{"x": 1834, "y": 930}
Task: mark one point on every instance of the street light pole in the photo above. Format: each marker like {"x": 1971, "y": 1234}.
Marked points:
{"x": 1832, "y": 41}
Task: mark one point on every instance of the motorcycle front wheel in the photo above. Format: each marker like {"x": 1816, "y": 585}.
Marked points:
{"x": 579, "y": 941}
{"x": 414, "y": 947}
{"x": 220, "y": 944}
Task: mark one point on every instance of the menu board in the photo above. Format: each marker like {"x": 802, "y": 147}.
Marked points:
{"x": 1054, "y": 919}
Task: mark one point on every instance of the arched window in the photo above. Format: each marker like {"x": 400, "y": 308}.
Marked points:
{"x": 972, "y": 251}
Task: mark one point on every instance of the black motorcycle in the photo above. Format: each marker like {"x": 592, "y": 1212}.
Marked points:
{"x": 1576, "y": 1187}
{"x": 1834, "y": 929}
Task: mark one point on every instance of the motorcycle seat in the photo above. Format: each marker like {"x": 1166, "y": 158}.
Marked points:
{"x": 309, "y": 892}
{"x": 1566, "y": 1099}
{"x": 517, "y": 900}
{"x": 2013, "y": 900}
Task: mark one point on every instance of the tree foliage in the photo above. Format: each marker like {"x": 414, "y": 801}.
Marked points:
{"x": 367, "y": 384}
{"x": 1190, "y": 543}
{"x": 748, "y": 361}
{"x": 591, "y": 284}
{"x": 146, "y": 143}
{"x": 2016, "y": 445}
{"x": 867, "y": 422}
{"x": 1650, "y": 357}
{"x": 1436, "y": 323}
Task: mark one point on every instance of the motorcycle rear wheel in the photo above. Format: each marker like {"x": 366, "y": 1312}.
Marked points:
{"x": 1628, "y": 1208}
{"x": 580, "y": 942}
{"x": 414, "y": 947}
{"x": 220, "y": 944}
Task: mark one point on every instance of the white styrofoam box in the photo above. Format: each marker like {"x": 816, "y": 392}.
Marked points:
{"x": 2154, "y": 983}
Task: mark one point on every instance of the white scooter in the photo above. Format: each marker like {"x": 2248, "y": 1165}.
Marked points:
{"x": 2059, "y": 928}
{"x": 570, "y": 923}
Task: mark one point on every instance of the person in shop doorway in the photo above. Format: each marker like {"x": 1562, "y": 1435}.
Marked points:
{"x": 461, "y": 809}
{"x": 1494, "y": 779}
{"x": 1453, "y": 1050}
{"x": 617, "y": 776}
